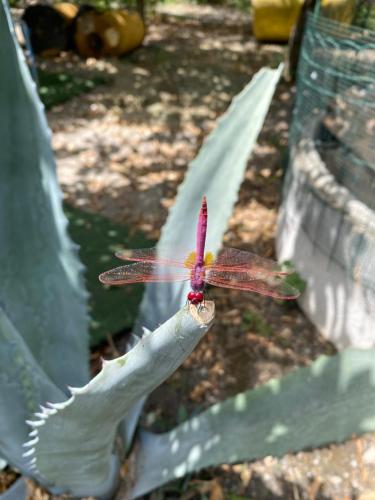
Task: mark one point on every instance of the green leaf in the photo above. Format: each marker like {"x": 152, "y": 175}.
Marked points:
{"x": 232, "y": 496}
{"x": 324, "y": 403}
{"x": 41, "y": 285}
{"x": 294, "y": 279}
{"x": 76, "y": 438}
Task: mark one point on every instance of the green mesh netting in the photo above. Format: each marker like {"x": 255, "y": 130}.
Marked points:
{"x": 335, "y": 103}
{"x": 331, "y": 173}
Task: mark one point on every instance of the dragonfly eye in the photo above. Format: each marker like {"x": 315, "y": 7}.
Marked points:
{"x": 195, "y": 297}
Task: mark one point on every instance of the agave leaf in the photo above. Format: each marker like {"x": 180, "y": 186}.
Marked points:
{"x": 324, "y": 403}
{"x": 23, "y": 387}
{"x": 216, "y": 172}
{"x": 41, "y": 288}
{"x": 76, "y": 440}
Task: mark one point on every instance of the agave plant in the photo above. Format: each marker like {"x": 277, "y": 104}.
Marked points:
{"x": 59, "y": 427}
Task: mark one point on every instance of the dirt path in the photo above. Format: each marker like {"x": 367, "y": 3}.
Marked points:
{"x": 122, "y": 151}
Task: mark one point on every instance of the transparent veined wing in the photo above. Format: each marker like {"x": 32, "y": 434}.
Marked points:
{"x": 167, "y": 256}
{"x": 143, "y": 272}
{"x": 272, "y": 284}
{"x": 241, "y": 261}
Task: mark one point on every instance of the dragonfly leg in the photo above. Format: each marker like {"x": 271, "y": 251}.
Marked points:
{"x": 202, "y": 305}
{"x": 206, "y": 297}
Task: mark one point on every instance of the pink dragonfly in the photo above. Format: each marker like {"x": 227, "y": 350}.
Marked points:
{"x": 231, "y": 269}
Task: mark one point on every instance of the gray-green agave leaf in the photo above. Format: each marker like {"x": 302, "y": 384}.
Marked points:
{"x": 41, "y": 287}
{"x": 74, "y": 447}
{"x": 327, "y": 402}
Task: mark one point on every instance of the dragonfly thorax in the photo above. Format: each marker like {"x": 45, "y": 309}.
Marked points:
{"x": 197, "y": 278}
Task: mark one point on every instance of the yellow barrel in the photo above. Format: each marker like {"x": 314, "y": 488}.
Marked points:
{"x": 274, "y": 19}
{"x": 86, "y": 39}
{"x": 339, "y": 10}
{"x": 121, "y": 31}
{"x": 50, "y": 27}
{"x": 67, "y": 10}
{"x": 110, "y": 33}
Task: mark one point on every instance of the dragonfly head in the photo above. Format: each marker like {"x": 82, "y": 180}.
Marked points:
{"x": 195, "y": 297}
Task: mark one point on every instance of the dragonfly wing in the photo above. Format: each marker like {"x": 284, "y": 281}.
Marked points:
{"x": 242, "y": 261}
{"x": 143, "y": 272}
{"x": 154, "y": 255}
{"x": 272, "y": 285}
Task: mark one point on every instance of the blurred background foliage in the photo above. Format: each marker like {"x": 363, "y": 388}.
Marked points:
{"x": 365, "y": 14}
{"x": 56, "y": 88}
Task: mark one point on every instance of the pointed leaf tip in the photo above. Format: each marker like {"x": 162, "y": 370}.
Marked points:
{"x": 203, "y": 314}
